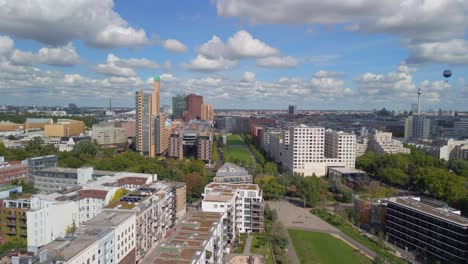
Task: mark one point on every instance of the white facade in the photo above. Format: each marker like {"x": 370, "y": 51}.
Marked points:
{"x": 48, "y": 219}
{"x": 242, "y": 203}
{"x": 124, "y": 236}
{"x": 309, "y": 150}
{"x": 382, "y": 142}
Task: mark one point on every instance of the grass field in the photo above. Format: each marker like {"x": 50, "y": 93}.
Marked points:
{"x": 323, "y": 248}
{"x": 234, "y": 140}
{"x": 237, "y": 149}
{"x": 261, "y": 246}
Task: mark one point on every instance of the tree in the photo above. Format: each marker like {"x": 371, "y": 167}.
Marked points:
{"x": 195, "y": 185}
{"x": 271, "y": 187}
{"x": 271, "y": 169}
{"x": 311, "y": 190}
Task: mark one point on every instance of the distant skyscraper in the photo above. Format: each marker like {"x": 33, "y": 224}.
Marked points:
{"x": 193, "y": 110}
{"x": 151, "y": 132}
{"x": 179, "y": 104}
{"x": 292, "y": 109}
{"x": 414, "y": 108}
{"x": 207, "y": 112}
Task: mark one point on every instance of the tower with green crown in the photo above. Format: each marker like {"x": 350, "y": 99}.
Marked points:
{"x": 156, "y": 78}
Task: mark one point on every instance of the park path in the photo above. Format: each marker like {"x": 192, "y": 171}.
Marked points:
{"x": 294, "y": 217}
{"x": 247, "y": 245}
{"x": 248, "y": 149}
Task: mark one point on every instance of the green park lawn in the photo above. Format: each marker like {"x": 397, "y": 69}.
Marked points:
{"x": 260, "y": 245}
{"x": 312, "y": 247}
{"x": 234, "y": 140}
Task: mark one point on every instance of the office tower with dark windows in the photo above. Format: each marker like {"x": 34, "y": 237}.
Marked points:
{"x": 292, "y": 109}
{"x": 428, "y": 228}
{"x": 179, "y": 104}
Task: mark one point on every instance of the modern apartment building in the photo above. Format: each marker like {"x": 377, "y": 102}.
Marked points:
{"x": 12, "y": 170}
{"x": 151, "y": 128}
{"x": 193, "y": 140}
{"x": 309, "y": 150}
{"x": 382, "y": 142}
{"x": 342, "y": 146}
{"x": 242, "y": 203}
{"x": 198, "y": 240}
{"x": 232, "y": 173}
{"x": 428, "y": 229}
{"x": 155, "y": 206}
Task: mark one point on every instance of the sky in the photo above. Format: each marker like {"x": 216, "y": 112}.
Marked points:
{"x": 238, "y": 54}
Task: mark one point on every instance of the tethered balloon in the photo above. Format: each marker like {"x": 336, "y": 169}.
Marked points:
{"x": 447, "y": 74}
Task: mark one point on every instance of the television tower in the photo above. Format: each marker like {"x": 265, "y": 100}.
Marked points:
{"x": 419, "y": 99}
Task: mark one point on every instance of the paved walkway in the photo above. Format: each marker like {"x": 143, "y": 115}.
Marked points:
{"x": 248, "y": 243}
{"x": 292, "y": 216}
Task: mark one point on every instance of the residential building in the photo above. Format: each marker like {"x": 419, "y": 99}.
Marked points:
{"x": 193, "y": 140}
{"x": 242, "y": 203}
{"x": 13, "y": 219}
{"x": 64, "y": 128}
{"x": 361, "y": 146}
{"x": 382, "y": 143}
{"x": 89, "y": 244}
{"x": 12, "y": 170}
{"x": 232, "y": 173}
{"x": 155, "y": 208}
{"x": 109, "y": 134}
{"x": 427, "y": 228}
{"x": 198, "y": 240}
{"x": 292, "y": 109}
{"x": 207, "y": 112}
{"x": 417, "y": 127}
{"x": 123, "y": 225}
{"x": 152, "y": 135}
{"x": 341, "y": 145}
{"x": 130, "y": 128}
{"x": 194, "y": 107}
{"x": 309, "y": 150}
{"x": 179, "y": 104}
{"x": 452, "y": 149}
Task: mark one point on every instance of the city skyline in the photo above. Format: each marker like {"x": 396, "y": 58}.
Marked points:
{"x": 327, "y": 56}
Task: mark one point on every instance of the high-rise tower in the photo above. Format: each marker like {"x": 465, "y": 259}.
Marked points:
{"x": 151, "y": 130}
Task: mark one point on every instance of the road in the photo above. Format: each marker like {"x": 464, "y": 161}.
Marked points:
{"x": 292, "y": 216}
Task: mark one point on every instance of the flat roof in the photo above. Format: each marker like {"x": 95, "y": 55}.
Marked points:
{"x": 231, "y": 186}
{"x": 189, "y": 239}
{"x": 217, "y": 198}
{"x": 346, "y": 170}
{"x": 437, "y": 212}
{"x": 109, "y": 218}
{"x": 66, "y": 249}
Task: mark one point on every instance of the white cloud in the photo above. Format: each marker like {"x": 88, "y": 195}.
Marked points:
{"x": 204, "y": 64}
{"x": 427, "y": 27}
{"x": 59, "y": 56}
{"x": 61, "y": 21}
{"x": 454, "y": 51}
{"x": 116, "y": 66}
{"x": 278, "y": 62}
{"x": 175, "y": 46}
{"x": 243, "y": 44}
{"x": 6, "y": 44}
{"x": 240, "y": 45}
{"x": 248, "y": 77}
{"x": 399, "y": 85}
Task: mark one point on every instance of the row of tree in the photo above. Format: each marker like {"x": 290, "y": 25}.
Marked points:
{"x": 421, "y": 173}
{"x": 85, "y": 153}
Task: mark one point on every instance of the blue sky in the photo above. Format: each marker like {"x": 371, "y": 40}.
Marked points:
{"x": 336, "y": 54}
